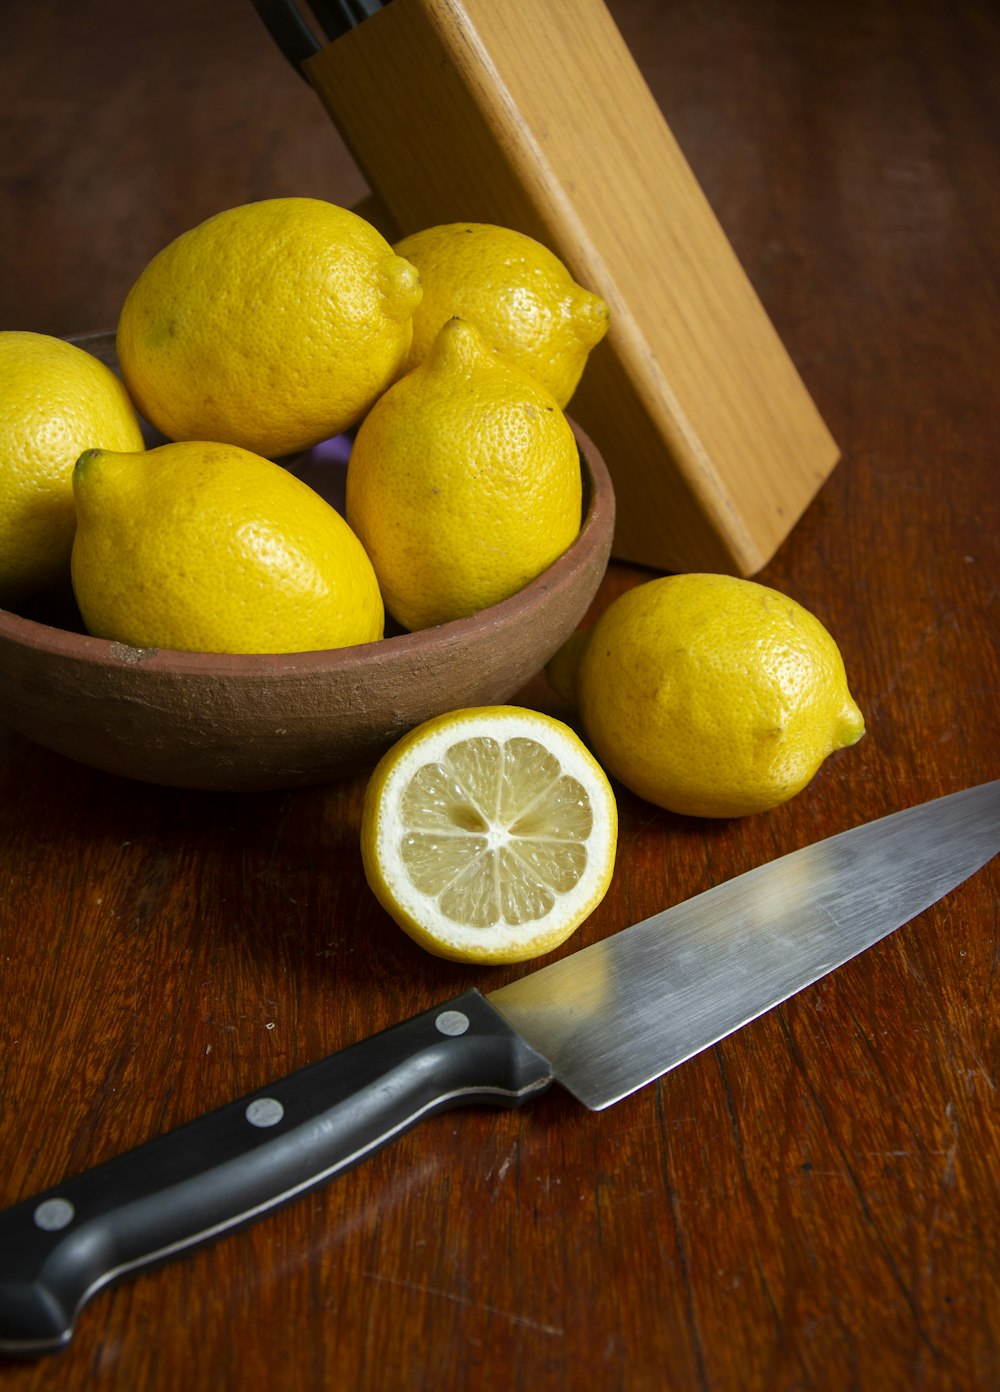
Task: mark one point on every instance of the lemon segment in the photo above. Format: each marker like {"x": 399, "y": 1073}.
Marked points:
{"x": 56, "y": 400}
{"x": 489, "y": 834}
{"x": 516, "y": 292}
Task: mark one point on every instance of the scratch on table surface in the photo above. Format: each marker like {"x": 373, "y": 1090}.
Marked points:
{"x": 947, "y": 1181}
{"x": 500, "y": 1174}
{"x": 907, "y": 1154}
{"x": 508, "y": 1160}
{"x": 466, "y": 1300}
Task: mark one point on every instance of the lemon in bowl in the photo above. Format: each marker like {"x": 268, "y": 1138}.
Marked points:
{"x": 273, "y": 326}
{"x": 464, "y": 482}
{"x": 515, "y": 291}
{"x": 206, "y": 547}
{"x": 56, "y": 400}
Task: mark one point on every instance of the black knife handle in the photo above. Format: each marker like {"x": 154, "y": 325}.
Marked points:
{"x": 236, "y": 1164}
{"x": 293, "y": 35}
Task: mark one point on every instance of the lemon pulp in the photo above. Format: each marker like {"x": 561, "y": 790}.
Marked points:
{"x": 489, "y": 835}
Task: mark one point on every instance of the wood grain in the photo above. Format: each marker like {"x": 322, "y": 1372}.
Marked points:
{"x": 714, "y": 443}
{"x": 813, "y": 1203}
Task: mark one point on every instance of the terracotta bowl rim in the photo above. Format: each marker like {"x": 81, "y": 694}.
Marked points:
{"x": 595, "y": 529}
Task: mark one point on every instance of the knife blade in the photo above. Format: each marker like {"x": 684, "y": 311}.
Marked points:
{"x": 602, "y": 1022}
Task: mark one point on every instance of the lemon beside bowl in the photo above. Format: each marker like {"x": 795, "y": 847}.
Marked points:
{"x": 230, "y": 722}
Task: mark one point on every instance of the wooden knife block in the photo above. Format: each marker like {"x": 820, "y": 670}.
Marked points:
{"x": 533, "y": 114}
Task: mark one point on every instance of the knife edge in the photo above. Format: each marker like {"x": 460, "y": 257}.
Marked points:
{"x": 620, "y": 1013}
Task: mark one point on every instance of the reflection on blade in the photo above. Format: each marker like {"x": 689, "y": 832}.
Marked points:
{"x": 620, "y": 1013}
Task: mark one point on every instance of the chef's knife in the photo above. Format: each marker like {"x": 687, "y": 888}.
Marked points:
{"x": 602, "y": 1022}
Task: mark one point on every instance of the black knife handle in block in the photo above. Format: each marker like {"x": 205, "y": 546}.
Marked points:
{"x": 237, "y": 1163}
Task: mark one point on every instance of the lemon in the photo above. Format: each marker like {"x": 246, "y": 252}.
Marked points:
{"x": 209, "y": 548}
{"x": 710, "y": 695}
{"x": 56, "y": 400}
{"x": 517, "y": 293}
{"x": 463, "y": 482}
{"x": 489, "y": 834}
{"x": 272, "y": 326}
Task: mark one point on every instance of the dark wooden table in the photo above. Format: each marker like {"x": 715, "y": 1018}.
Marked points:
{"x": 813, "y": 1203}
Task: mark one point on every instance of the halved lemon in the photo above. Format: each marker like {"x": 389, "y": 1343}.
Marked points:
{"x": 489, "y": 834}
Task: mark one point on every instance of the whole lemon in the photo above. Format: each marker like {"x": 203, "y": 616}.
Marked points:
{"x": 56, "y": 400}
{"x": 515, "y": 291}
{"x": 272, "y": 326}
{"x": 463, "y": 483}
{"x": 712, "y": 696}
{"x": 209, "y": 548}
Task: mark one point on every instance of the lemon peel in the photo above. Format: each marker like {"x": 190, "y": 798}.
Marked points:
{"x": 205, "y": 547}
{"x": 464, "y": 482}
{"x": 710, "y": 695}
{"x": 273, "y": 326}
{"x": 56, "y": 400}
{"x": 518, "y": 293}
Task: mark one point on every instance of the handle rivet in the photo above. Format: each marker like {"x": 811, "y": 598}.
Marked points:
{"x": 53, "y": 1214}
{"x": 264, "y": 1111}
{"x": 452, "y": 1022}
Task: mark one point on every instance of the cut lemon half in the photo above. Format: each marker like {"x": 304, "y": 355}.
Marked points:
{"x": 489, "y": 834}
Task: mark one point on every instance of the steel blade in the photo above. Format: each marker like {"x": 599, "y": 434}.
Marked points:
{"x": 615, "y": 1015}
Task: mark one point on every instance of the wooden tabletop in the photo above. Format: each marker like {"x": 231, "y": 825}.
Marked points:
{"x": 811, "y": 1204}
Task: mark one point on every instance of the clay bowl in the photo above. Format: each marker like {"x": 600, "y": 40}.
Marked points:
{"x": 202, "y": 720}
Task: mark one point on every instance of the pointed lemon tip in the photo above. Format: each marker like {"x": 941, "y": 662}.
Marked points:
{"x": 850, "y": 725}
{"x": 101, "y": 473}
{"x": 85, "y": 469}
{"x": 399, "y": 286}
{"x": 591, "y": 317}
{"x": 459, "y": 346}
